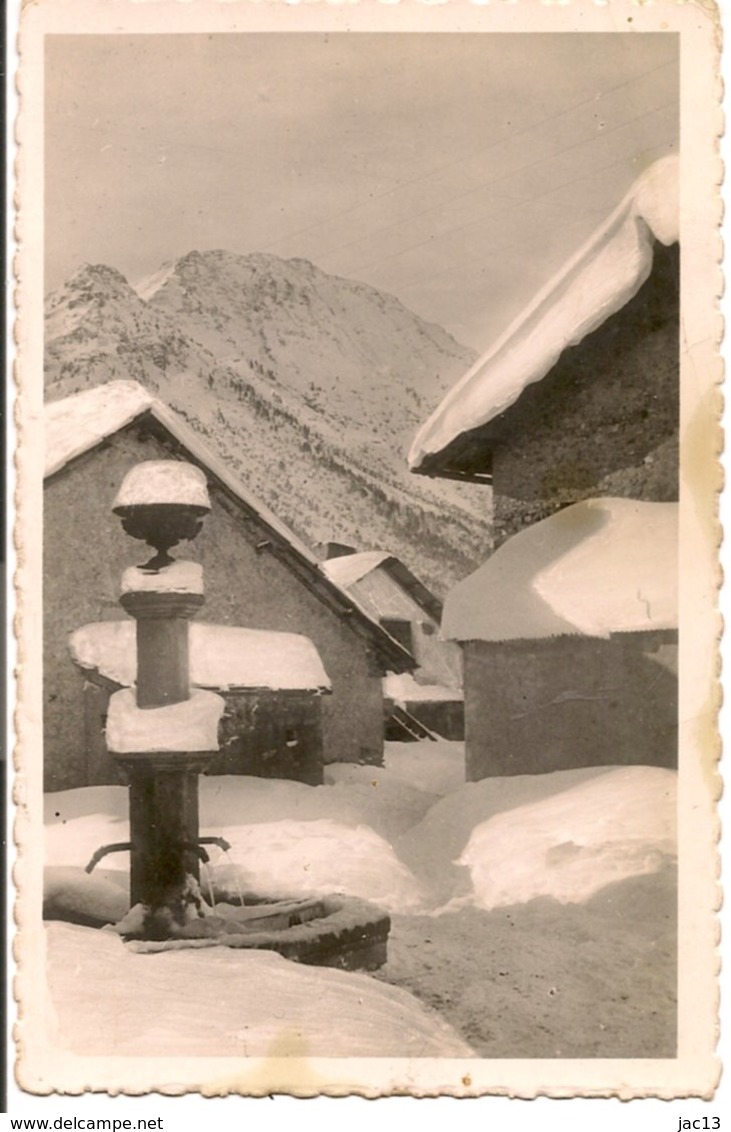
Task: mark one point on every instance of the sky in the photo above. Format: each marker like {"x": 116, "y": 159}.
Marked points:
{"x": 455, "y": 171}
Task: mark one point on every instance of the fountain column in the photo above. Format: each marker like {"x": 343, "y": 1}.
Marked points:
{"x": 161, "y": 733}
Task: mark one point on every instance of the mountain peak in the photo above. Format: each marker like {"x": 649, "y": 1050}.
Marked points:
{"x": 92, "y": 292}
{"x": 309, "y": 384}
{"x": 98, "y": 275}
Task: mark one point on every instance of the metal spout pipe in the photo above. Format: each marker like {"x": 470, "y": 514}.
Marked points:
{"x": 117, "y": 847}
{"x": 221, "y": 842}
{"x": 121, "y": 846}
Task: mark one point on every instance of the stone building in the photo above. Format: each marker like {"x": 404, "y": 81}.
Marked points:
{"x": 259, "y": 575}
{"x": 570, "y": 640}
{"x": 432, "y": 696}
{"x": 580, "y": 396}
{"x": 572, "y": 417}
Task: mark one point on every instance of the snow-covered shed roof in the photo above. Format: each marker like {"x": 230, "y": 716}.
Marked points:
{"x": 599, "y": 567}
{"x": 349, "y": 569}
{"x": 596, "y": 282}
{"x": 221, "y": 656}
{"x": 77, "y": 424}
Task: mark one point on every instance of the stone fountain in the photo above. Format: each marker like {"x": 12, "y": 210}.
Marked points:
{"x": 164, "y": 734}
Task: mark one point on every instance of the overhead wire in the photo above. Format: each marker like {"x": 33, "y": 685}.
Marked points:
{"x": 481, "y": 188}
{"x": 495, "y": 249}
{"x": 513, "y": 207}
{"x": 364, "y": 202}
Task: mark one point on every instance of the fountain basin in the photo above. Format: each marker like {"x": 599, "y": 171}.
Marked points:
{"x": 327, "y": 931}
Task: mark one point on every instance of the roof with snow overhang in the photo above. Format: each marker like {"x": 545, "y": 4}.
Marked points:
{"x": 221, "y": 657}
{"x": 599, "y": 567}
{"x": 349, "y": 569}
{"x": 597, "y": 281}
{"x": 80, "y": 423}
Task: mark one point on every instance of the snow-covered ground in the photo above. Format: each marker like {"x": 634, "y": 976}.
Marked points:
{"x": 108, "y": 1000}
{"x": 441, "y": 855}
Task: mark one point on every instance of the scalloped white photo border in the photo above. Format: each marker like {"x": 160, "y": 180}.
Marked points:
{"x": 43, "y": 1068}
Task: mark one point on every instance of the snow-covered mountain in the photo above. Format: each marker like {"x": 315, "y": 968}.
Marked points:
{"x": 311, "y": 385}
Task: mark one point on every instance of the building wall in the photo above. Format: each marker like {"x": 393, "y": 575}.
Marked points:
{"x": 566, "y": 702}
{"x": 443, "y": 717}
{"x": 439, "y": 661}
{"x": 85, "y": 551}
{"x": 271, "y": 735}
{"x": 604, "y": 421}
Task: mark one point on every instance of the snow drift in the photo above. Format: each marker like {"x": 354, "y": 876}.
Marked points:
{"x": 571, "y": 845}
{"x": 372, "y": 835}
{"x": 314, "y": 858}
{"x": 111, "y": 1002}
{"x": 288, "y": 839}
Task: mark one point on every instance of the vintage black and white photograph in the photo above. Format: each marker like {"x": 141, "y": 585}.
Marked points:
{"x": 358, "y": 715}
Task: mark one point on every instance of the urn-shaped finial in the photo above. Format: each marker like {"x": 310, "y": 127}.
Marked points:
{"x": 162, "y": 502}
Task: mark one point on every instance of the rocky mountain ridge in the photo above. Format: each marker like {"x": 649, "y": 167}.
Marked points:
{"x": 310, "y": 385}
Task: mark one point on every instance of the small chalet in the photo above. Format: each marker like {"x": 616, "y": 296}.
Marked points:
{"x": 573, "y": 417}
{"x": 429, "y": 701}
{"x": 570, "y": 639}
{"x": 259, "y": 576}
{"x": 580, "y": 396}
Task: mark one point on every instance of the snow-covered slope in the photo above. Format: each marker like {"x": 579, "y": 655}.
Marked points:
{"x": 309, "y": 385}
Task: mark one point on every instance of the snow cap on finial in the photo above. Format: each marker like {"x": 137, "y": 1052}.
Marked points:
{"x": 163, "y": 481}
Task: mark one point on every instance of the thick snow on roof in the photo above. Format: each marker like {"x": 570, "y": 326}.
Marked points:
{"x": 112, "y": 1003}
{"x": 78, "y": 423}
{"x": 221, "y": 656}
{"x": 598, "y": 280}
{"x": 350, "y": 568}
{"x": 598, "y": 567}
